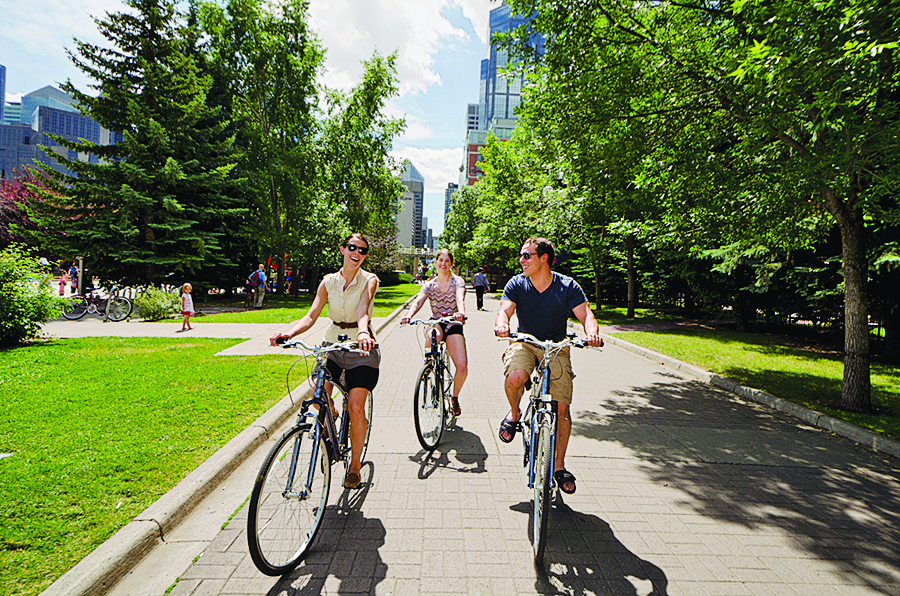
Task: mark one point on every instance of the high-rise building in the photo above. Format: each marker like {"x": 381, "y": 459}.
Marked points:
{"x": 448, "y": 197}
{"x": 414, "y": 202}
{"x": 472, "y": 117}
{"x": 498, "y": 95}
{"x": 42, "y": 113}
{"x": 2, "y": 90}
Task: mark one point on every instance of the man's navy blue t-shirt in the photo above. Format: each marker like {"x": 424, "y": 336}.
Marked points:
{"x": 544, "y": 314}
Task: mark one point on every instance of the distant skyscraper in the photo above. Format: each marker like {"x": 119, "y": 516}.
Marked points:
{"x": 26, "y": 128}
{"x": 500, "y": 96}
{"x": 448, "y": 198}
{"x": 472, "y": 117}
{"x": 2, "y": 90}
{"x": 415, "y": 186}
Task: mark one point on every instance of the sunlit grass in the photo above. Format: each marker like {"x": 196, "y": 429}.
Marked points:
{"x": 100, "y": 428}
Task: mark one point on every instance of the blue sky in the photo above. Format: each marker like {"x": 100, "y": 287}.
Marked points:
{"x": 440, "y": 45}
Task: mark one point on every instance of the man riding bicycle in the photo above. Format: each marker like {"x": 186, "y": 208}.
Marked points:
{"x": 543, "y": 301}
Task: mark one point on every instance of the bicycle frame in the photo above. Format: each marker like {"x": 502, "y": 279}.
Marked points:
{"x": 543, "y": 411}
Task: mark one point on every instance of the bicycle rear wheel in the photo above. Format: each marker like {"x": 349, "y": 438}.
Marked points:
{"x": 119, "y": 308}
{"x": 428, "y": 408}
{"x": 288, "y": 500}
{"x": 75, "y": 308}
{"x": 543, "y": 475}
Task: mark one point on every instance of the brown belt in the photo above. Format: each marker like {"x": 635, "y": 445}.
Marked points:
{"x": 343, "y": 325}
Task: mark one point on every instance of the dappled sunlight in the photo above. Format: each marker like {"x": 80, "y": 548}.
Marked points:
{"x": 760, "y": 472}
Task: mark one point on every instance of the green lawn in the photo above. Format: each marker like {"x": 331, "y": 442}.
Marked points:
{"x": 284, "y": 309}
{"x": 100, "y": 428}
{"x": 796, "y": 373}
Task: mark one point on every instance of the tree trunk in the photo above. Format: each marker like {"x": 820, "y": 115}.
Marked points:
{"x": 632, "y": 290}
{"x": 856, "y": 390}
{"x": 295, "y": 278}
{"x": 892, "y": 335}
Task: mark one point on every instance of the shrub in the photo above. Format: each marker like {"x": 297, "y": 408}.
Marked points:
{"x": 26, "y": 296}
{"x": 155, "y": 304}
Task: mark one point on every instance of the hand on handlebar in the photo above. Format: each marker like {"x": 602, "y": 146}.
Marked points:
{"x": 501, "y": 330}
{"x": 595, "y": 341}
{"x": 273, "y": 341}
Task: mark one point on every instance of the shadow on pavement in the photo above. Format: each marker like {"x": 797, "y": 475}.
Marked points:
{"x": 469, "y": 449}
{"x": 583, "y": 555}
{"x": 345, "y": 559}
{"x": 745, "y": 465}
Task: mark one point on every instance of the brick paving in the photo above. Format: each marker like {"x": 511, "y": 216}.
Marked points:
{"x": 682, "y": 489}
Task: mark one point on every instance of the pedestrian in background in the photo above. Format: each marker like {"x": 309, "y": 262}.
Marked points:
{"x": 187, "y": 306}
{"x": 63, "y": 280}
{"x": 480, "y": 282}
{"x": 258, "y": 282}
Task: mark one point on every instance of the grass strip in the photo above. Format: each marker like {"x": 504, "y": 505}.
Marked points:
{"x": 797, "y": 373}
{"x": 284, "y": 309}
{"x": 99, "y": 428}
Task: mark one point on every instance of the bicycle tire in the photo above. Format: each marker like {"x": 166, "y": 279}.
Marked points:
{"x": 428, "y": 408}
{"x": 75, "y": 308}
{"x": 542, "y": 484}
{"x": 281, "y": 523}
{"x": 118, "y": 308}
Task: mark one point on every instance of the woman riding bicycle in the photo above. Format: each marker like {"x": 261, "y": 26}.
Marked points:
{"x": 349, "y": 293}
{"x": 446, "y": 293}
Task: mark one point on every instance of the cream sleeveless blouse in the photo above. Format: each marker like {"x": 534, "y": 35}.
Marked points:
{"x": 342, "y": 305}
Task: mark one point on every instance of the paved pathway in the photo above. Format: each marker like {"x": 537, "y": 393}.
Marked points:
{"x": 682, "y": 489}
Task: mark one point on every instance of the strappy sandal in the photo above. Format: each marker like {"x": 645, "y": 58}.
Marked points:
{"x": 455, "y": 408}
{"x": 564, "y": 477}
{"x": 509, "y": 427}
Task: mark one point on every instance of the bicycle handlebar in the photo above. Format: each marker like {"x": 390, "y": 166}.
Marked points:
{"x": 432, "y": 322}
{"x": 547, "y": 344}
{"x": 346, "y": 346}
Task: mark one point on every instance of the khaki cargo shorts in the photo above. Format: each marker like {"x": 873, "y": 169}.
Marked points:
{"x": 523, "y": 356}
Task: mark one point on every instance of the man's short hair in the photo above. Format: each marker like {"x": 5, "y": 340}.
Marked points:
{"x": 544, "y": 247}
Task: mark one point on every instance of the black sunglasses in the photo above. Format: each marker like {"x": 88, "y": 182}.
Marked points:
{"x": 527, "y": 255}
{"x": 362, "y": 249}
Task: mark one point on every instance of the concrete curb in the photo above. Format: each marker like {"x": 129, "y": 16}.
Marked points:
{"x": 866, "y": 438}
{"x": 98, "y": 572}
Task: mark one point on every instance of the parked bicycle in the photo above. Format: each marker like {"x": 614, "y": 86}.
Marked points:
{"x": 434, "y": 388}
{"x": 291, "y": 490}
{"x": 538, "y": 427}
{"x": 111, "y": 306}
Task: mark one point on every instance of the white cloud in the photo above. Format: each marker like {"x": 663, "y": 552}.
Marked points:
{"x": 352, "y": 30}
{"x": 14, "y": 97}
{"x": 438, "y": 166}
{"x": 44, "y": 27}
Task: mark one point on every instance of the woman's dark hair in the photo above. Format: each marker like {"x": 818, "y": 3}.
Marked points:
{"x": 444, "y": 250}
{"x": 355, "y": 235}
{"x": 544, "y": 247}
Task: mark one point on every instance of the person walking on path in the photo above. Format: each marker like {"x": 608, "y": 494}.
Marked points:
{"x": 187, "y": 306}
{"x": 446, "y": 294}
{"x": 543, "y": 301}
{"x": 350, "y": 295}
{"x": 480, "y": 283}
{"x": 258, "y": 283}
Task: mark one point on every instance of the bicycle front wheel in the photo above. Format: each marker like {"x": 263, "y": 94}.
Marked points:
{"x": 118, "y": 308}
{"x": 75, "y": 308}
{"x": 428, "y": 408}
{"x": 543, "y": 475}
{"x": 288, "y": 500}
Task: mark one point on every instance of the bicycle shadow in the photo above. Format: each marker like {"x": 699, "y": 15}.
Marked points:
{"x": 584, "y": 556}
{"x": 345, "y": 557}
{"x": 470, "y": 453}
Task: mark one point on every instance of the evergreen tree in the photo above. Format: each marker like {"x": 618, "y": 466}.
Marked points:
{"x": 157, "y": 201}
